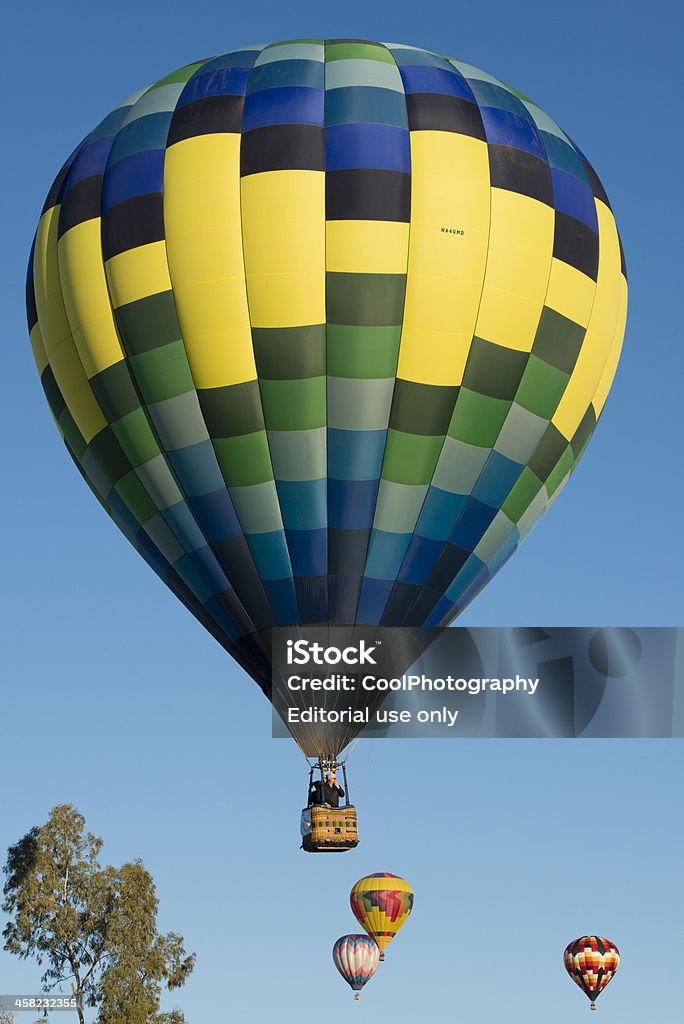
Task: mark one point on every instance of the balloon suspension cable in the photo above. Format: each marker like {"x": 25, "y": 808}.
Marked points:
{"x": 351, "y": 748}
{"x": 343, "y": 765}
{"x": 359, "y": 784}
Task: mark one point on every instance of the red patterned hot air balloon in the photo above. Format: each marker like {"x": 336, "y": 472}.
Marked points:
{"x": 591, "y": 962}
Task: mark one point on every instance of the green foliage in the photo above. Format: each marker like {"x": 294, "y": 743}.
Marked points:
{"x": 93, "y": 927}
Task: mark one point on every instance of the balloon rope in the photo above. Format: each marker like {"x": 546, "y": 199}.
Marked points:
{"x": 360, "y": 783}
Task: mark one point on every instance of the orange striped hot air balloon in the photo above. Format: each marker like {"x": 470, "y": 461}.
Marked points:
{"x": 381, "y": 904}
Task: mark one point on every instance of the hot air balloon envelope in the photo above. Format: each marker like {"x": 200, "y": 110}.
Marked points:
{"x": 591, "y": 962}
{"x": 326, "y": 326}
{"x": 381, "y": 904}
{"x": 356, "y": 957}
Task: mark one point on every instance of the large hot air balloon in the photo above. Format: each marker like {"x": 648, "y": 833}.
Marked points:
{"x": 356, "y": 958}
{"x": 381, "y": 904}
{"x": 326, "y": 326}
{"x": 591, "y": 962}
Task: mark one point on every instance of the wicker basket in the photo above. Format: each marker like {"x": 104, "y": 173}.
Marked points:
{"x": 333, "y": 829}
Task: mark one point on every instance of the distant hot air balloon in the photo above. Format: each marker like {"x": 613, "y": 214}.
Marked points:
{"x": 356, "y": 958}
{"x": 591, "y": 962}
{"x": 381, "y": 904}
{"x": 326, "y": 326}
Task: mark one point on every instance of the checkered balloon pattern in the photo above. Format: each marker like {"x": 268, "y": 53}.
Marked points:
{"x": 326, "y": 326}
{"x": 591, "y": 962}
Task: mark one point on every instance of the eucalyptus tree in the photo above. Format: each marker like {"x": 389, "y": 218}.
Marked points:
{"x": 93, "y": 929}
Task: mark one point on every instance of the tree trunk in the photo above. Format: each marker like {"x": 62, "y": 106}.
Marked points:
{"x": 78, "y": 993}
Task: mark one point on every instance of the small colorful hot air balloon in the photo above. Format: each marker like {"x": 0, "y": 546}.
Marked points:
{"x": 381, "y": 904}
{"x": 591, "y": 962}
{"x": 356, "y": 958}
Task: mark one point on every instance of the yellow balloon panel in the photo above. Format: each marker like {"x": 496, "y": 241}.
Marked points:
{"x": 598, "y": 341}
{"x": 283, "y": 233}
{"x": 517, "y": 272}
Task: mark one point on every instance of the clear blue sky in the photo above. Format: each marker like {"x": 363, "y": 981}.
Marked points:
{"x": 114, "y": 699}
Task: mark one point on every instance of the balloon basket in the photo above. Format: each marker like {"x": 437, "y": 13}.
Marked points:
{"x": 593, "y": 1006}
{"x": 333, "y": 830}
{"x": 382, "y": 956}
{"x": 356, "y": 995}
